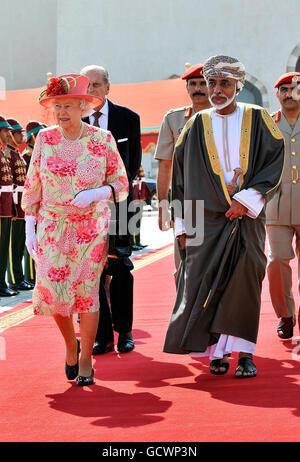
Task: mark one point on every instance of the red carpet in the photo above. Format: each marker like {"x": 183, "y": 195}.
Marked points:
{"x": 146, "y": 395}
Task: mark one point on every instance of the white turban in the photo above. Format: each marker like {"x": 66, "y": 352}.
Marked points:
{"x": 225, "y": 67}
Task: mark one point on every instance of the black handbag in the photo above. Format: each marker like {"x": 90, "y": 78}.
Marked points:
{"x": 118, "y": 245}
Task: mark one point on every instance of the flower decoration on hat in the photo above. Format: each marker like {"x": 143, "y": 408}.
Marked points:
{"x": 58, "y": 86}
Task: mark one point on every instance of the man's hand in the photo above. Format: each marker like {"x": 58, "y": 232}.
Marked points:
{"x": 164, "y": 217}
{"x": 162, "y": 187}
{"x": 237, "y": 210}
{"x": 182, "y": 238}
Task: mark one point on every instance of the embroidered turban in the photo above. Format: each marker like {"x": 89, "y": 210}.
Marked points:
{"x": 225, "y": 67}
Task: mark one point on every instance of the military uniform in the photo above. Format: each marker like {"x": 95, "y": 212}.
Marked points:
{"x": 15, "y": 274}
{"x": 172, "y": 125}
{"x": 283, "y": 222}
{"x": 26, "y": 156}
{"x": 32, "y": 129}
{"x": 6, "y": 213}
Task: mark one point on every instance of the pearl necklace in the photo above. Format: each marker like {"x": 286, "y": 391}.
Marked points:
{"x": 78, "y": 137}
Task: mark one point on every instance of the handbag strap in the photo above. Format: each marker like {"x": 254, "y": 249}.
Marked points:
{"x": 116, "y": 207}
{"x": 113, "y": 193}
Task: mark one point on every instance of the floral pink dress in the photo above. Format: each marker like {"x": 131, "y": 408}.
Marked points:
{"x": 72, "y": 243}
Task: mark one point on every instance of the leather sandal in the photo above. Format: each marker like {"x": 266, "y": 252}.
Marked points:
{"x": 245, "y": 365}
{"x": 218, "y": 363}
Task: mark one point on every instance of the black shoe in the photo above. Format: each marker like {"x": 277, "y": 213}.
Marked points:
{"x": 101, "y": 347}
{"x": 285, "y": 328}
{"x": 136, "y": 247}
{"x": 6, "y": 292}
{"x": 72, "y": 371}
{"x": 85, "y": 381}
{"x": 143, "y": 245}
{"x": 125, "y": 342}
{"x": 24, "y": 285}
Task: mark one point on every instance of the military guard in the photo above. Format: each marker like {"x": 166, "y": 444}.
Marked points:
{"x": 32, "y": 129}
{"x": 6, "y": 208}
{"x": 283, "y": 211}
{"x": 15, "y": 274}
{"x": 172, "y": 125}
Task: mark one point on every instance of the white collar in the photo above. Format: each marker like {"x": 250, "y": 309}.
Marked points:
{"x": 239, "y": 106}
{"x": 103, "y": 110}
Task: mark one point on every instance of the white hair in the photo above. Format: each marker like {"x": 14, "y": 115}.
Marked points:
{"x": 100, "y": 70}
{"x": 86, "y": 107}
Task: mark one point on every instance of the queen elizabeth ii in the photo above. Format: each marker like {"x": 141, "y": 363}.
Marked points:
{"x": 73, "y": 170}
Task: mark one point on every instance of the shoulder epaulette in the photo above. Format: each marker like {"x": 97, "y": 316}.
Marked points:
{"x": 178, "y": 109}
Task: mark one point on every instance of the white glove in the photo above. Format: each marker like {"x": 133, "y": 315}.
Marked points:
{"x": 31, "y": 241}
{"x": 85, "y": 198}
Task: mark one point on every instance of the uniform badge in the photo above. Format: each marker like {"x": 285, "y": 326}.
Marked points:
{"x": 277, "y": 116}
{"x": 188, "y": 112}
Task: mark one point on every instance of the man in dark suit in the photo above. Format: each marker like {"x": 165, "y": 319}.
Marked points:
{"x": 124, "y": 124}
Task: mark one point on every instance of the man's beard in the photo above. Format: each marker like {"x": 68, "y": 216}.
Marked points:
{"x": 223, "y": 105}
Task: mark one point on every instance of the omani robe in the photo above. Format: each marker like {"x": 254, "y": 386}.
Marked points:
{"x": 219, "y": 290}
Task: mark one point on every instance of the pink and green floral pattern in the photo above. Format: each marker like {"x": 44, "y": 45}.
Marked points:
{"x": 72, "y": 243}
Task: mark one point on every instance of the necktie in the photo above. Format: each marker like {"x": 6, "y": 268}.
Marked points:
{"x": 97, "y": 115}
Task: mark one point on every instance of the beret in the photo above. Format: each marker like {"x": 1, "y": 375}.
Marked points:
{"x": 33, "y": 127}
{"x": 290, "y": 77}
{"x": 193, "y": 71}
{"x": 4, "y": 123}
{"x": 15, "y": 125}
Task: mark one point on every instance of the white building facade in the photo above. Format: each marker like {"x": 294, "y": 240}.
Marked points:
{"x": 139, "y": 40}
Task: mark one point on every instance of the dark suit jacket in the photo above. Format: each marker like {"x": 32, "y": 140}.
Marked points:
{"x": 124, "y": 124}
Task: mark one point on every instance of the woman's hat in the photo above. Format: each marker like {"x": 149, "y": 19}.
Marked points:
{"x": 68, "y": 86}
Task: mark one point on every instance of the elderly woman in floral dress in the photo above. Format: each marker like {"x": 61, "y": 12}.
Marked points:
{"x": 70, "y": 179}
